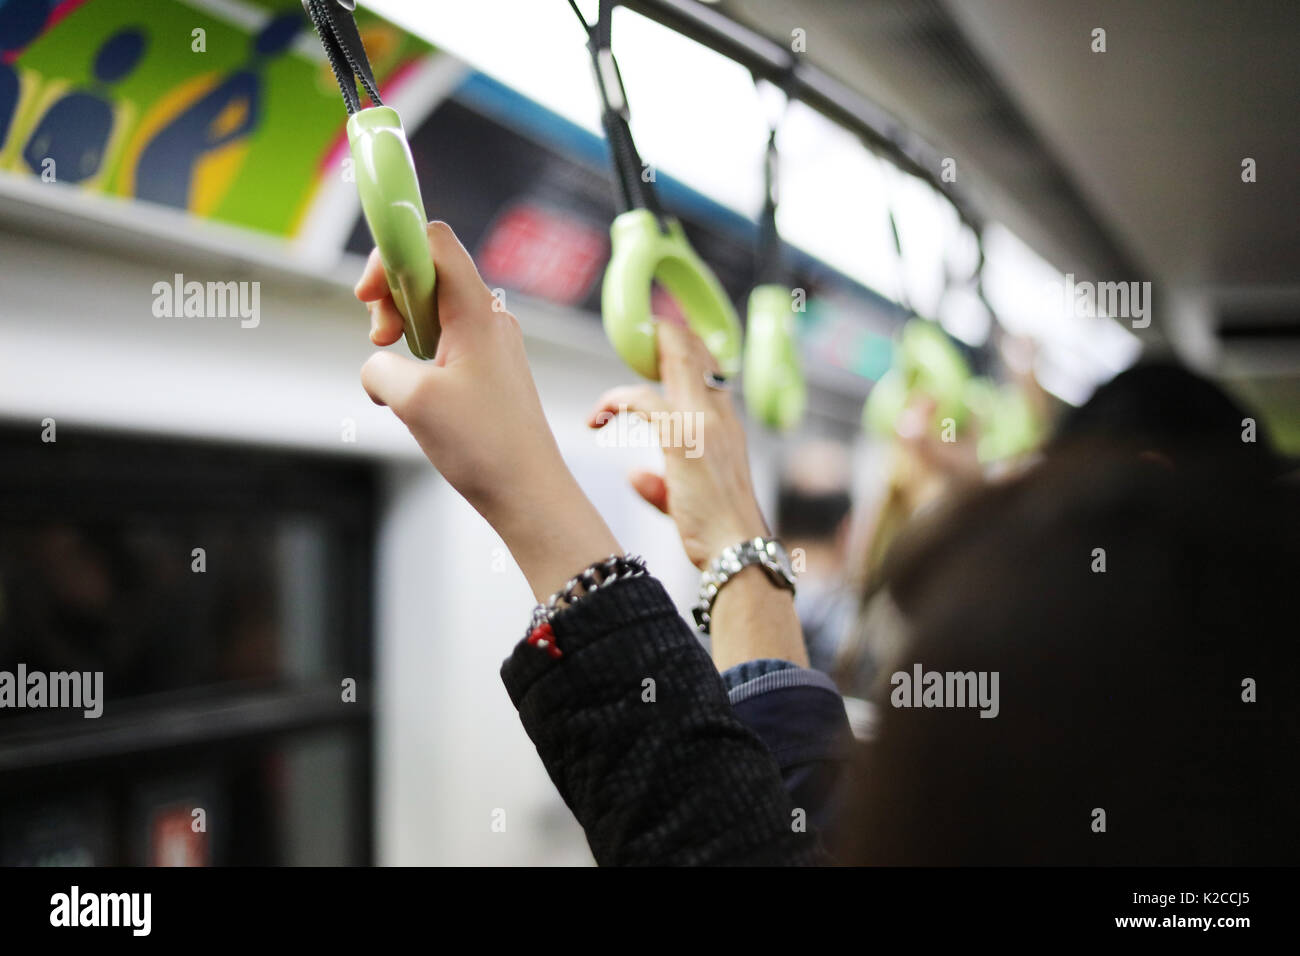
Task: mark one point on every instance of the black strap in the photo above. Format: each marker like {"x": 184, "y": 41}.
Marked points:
{"x": 633, "y": 190}
{"x": 979, "y": 276}
{"x": 337, "y": 29}
{"x": 769, "y": 240}
{"x": 767, "y": 266}
{"x": 904, "y": 300}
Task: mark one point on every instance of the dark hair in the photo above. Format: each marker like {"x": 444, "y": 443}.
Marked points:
{"x": 1164, "y": 408}
{"x": 815, "y": 515}
{"x": 1119, "y": 690}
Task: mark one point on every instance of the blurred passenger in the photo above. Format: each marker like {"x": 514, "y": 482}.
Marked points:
{"x": 1138, "y": 620}
{"x": 812, "y": 518}
{"x": 1157, "y": 411}
{"x": 1167, "y": 413}
{"x": 925, "y": 473}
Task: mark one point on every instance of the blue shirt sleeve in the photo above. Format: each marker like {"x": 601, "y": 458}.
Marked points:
{"x": 799, "y": 714}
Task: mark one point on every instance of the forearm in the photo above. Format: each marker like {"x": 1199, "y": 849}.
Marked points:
{"x": 552, "y": 530}
{"x": 753, "y": 619}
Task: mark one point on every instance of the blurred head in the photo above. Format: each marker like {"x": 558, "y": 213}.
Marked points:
{"x": 1169, "y": 414}
{"x": 1125, "y": 607}
{"x": 814, "y": 500}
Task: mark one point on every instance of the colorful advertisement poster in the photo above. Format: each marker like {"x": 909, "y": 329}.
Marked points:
{"x": 227, "y": 110}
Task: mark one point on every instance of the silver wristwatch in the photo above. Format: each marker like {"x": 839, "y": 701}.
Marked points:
{"x": 767, "y": 553}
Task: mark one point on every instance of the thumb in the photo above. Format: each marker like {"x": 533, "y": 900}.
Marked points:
{"x": 389, "y": 379}
{"x": 650, "y": 487}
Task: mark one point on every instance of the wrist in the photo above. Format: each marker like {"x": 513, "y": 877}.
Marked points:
{"x": 741, "y": 528}
{"x": 553, "y": 531}
{"x": 763, "y": 552}
{"x": 753, "y": 618}
{"x": 721, "y": 543}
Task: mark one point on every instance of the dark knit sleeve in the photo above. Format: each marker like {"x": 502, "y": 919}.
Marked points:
{"x": 634, "y": 726}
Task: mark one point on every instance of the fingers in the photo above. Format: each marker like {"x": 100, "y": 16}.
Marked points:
{"x": 459, "y": 286}
{"x": 635, "y": 399}
{"x": 651, "y": 487}
{"x": 385, "y": 321}
{"x": 914, "y": 423}
{"x": 372, "y": 288}
{"x": 373, "y": 284}
{"x": 389, "y": 379}
{"x": 683, "y": 361}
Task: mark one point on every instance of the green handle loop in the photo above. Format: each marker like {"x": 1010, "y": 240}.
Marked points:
{"x": 390, "y": 199}
{"x": 1008, "y": 425}
{"x": 774, "y": 388}
{"x": 925, "y": 361}
{"x": 641, "y": 254}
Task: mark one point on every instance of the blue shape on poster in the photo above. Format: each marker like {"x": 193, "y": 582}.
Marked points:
{"x": 167, "y": 164}
{"x": 74, "y": 132}
{"x": 21, "y": 22}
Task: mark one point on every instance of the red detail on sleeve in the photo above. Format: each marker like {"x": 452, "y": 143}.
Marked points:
{"x": 543, "y": 638}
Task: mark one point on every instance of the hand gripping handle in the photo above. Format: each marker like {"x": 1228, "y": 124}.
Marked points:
{"x": 390, "y": 199}
{"x": 643, "y": 254}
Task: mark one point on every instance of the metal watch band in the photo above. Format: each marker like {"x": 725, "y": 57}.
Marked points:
{"x": 767, "y": 553}
{"x": 601, "y": 574}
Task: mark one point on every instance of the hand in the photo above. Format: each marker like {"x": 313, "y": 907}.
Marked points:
{"x": 706, "y": 489}
{"x": 953, "y": 463}
{"x": 476, "y": 414}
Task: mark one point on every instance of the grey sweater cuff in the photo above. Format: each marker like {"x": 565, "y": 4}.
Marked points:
{"x": 752, "y": 678}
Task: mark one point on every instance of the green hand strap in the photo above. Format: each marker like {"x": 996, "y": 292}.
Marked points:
{"x": 1008, "y": 425}
{"x": 643, "y": 254}
{"x": 385, "y": 173}
{"x": 390, "y": 199}
{"x": 773, "y": 382}
{"x": 927, "y": 362}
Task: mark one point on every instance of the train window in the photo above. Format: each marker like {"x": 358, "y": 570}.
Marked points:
{"x": 184, "y": 626}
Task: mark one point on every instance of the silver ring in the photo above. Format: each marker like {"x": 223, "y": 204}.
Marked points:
{"x": 716, "y": 382}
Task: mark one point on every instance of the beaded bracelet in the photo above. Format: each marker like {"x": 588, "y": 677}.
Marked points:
{"x": 601, "y": 574}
